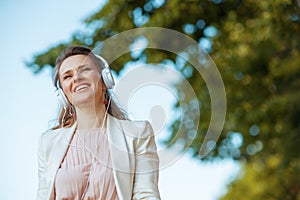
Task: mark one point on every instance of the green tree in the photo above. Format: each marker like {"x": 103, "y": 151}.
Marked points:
{"x": 255, "y": 44}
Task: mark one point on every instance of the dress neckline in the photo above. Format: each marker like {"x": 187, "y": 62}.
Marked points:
{"x": 91, "y": 130}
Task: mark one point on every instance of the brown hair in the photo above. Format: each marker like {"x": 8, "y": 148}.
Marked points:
{"x": 65, "y": 118}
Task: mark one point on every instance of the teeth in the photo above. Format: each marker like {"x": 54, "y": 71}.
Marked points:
{"x": 80, "y": 87}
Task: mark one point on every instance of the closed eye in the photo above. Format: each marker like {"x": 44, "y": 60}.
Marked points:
{"x": 85, "y": 69}
{"x": 66, "y": 77}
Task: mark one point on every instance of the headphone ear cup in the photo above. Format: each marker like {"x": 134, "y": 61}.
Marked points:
{"x": 62, "y": 98}
{"x": 107, "y": 78}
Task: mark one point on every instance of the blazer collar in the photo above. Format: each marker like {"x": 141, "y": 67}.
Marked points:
{"x": 63, "y": 143}
{"x": 60, "y": 147}
{"x": 120, "y": 157}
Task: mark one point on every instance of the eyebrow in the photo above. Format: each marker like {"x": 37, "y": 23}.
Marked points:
{"x": 78, "y": 67}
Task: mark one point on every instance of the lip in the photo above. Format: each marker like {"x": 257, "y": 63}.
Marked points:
{"x": 80, "y": 85}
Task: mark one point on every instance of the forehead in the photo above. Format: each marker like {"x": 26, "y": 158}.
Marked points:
{"x": 73, "y": 62}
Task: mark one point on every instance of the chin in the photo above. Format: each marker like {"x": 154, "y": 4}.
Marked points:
{"x": 83, "y": 100}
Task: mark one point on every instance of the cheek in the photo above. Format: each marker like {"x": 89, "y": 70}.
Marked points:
{"x": 66, "y": 89}
{"x": 98, "y": 82}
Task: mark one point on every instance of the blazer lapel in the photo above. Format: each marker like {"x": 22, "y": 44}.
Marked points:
{"x": 57, "y": 155}
{"x": 120, "y": 158}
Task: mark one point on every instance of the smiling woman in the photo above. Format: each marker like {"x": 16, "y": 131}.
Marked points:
{"x": 71, "y": 68}
{"x": 95, "y": 152}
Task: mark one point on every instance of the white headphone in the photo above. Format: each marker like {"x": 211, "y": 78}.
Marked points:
{"x": 107, "y": 78}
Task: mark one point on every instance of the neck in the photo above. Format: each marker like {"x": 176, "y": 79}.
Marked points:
{"x": 90, "y": 116}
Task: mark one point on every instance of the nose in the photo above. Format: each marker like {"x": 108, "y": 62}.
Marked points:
{"x": 77, "y": 76}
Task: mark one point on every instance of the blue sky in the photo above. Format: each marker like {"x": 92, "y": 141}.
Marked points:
{"x": 28, "y": 103}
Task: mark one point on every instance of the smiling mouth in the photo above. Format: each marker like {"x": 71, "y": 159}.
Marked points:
{"x": 81, "y": 88}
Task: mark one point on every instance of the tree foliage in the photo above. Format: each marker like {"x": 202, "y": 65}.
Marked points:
{"x": 255, "y": 44}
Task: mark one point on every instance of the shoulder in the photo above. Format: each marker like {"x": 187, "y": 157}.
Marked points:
{"x": 57, "y": 133}
{"x": 48, "y": 138}
{"x": 137, "y": 128}
{"x": 135, "y": 124}
{"x": 50, "y": 134}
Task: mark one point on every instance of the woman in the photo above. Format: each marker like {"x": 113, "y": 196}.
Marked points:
{"x": 94, "y": 152}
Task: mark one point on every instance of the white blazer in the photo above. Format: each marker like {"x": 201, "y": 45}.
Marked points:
{"x": 133, "y": 155}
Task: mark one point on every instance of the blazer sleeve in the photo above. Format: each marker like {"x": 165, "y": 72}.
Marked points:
{"x": 146, "y": 167}
{"x": 42, "y": 183}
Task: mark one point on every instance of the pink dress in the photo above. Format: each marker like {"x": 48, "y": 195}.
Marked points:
{"x": 86, "y": 172}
